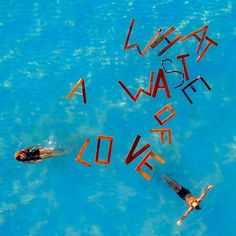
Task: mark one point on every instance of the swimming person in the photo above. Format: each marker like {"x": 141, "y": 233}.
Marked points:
{"x": 186, "y": 195}
{"x": 35, "y": 154}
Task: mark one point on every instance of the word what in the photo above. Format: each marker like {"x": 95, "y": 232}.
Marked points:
{"x": 154, "y": 42}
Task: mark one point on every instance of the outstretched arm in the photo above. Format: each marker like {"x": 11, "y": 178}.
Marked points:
{"x": 179, "y": 222}
{"x": 47, "y": 155}
{"x": 205, "y": 193}
{"x": 32, "y": 162}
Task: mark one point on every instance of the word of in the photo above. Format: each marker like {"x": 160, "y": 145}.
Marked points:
{"x": 162, "y": 122}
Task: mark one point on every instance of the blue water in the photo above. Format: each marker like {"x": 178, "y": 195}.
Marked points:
{"x": 45, "y": 48}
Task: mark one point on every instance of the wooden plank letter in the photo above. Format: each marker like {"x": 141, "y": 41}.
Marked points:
{"x": 107, "y": 162}
{"x": 167, "y": 107}
{"x": 157, "y": 86}
{"x": 73, "y": 91}
{"x": 211, "y": 41}
{"x": 140, "y": 90}
{"x": 131, "y": 155}
{"x": 182, "y": 57}
{"x": 193, "y": 88}
{"x": 162, "y": 133}
{"x": 135, "y": 45}
{"x": 144, "y": 162}
{"x": 164, "y": 37}
{"x": 194, "y": 33}
{"x": 78, "y": 158}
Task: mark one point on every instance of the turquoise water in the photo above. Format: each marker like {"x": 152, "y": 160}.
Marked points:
{"x": 46, "y": 47}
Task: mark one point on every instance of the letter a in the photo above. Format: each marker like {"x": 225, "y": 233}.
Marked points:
{"x": 164, "y": 86}
{"x": 73, "y": 90}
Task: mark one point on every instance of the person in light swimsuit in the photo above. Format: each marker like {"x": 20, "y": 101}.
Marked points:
{"x": 35, "y": 154}
{"x": 186, "y": 195}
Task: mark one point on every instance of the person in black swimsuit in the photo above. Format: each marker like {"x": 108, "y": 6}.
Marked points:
{"x": 186, "y": 195}
{"x": 35, "y": 154}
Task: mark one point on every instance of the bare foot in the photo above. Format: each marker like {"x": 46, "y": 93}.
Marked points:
{"x": 210, "y": 186}
{"x": 179, "y": 222}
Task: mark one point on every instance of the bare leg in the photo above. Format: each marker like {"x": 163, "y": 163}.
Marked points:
{"x": 46, "y": 153}
{"x": 171, "y": 183}
{"x": 59, "y": 151}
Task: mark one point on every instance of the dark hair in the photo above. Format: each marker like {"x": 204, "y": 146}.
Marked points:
{"x": 198, "y": 207}
{"x": 19, "y": 157}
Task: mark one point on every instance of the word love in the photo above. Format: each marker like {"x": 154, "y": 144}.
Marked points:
{"x": 155, "y": 41}
{"x": 131, "y": 156}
